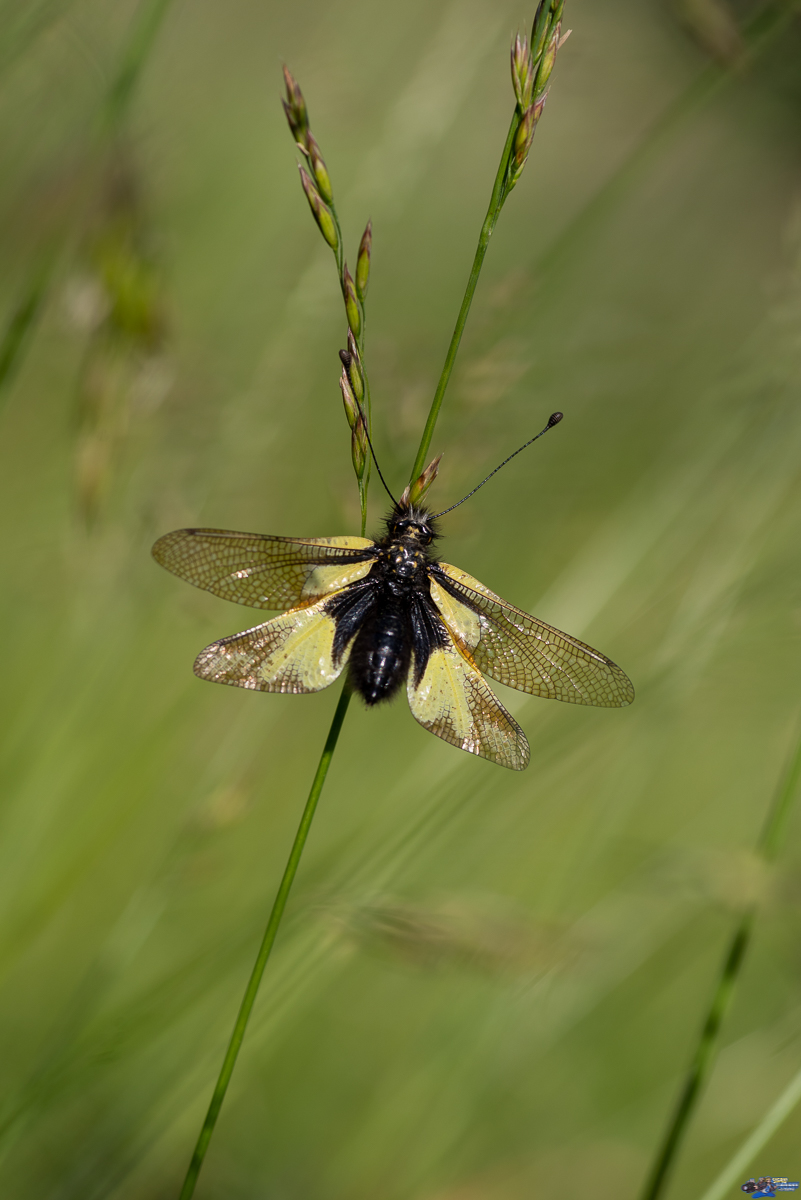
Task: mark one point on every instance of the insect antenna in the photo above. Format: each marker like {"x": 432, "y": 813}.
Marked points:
{"x": 554, "y": 419}
{"x": 346, "y": 357}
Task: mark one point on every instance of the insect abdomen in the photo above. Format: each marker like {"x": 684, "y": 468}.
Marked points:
{"x": 381, "y": 654}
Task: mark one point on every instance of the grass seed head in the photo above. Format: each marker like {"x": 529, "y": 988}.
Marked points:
{"x": 351, "y": 303}
{"x": 415, "y": 493}
{"x": 354, "y": 366}
{"x": 523, "y": 139}
{"x": 295, "y": 109}
{"x": 348, "y": 399}
{"x": 539, "y": 32}
{"x": 522, "y": 72}
{"x": 548, "y": 59}
{"x": 321, "y": 212}
{"x": 319, "y": 169}
{"x": 531, "y": 73}
{"x": 358, "y": 448}
{"x": 363, "y": 262}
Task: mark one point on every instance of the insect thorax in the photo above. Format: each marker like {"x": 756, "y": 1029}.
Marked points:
{"x": 404, "y": 562}
{"x": 404, "y": 549}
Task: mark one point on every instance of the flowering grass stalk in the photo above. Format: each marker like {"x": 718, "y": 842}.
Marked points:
{"x": 316, "y": 183}
{"x": 532, "y": 63}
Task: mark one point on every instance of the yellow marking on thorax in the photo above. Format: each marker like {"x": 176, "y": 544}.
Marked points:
{"x": 403, "y": 552}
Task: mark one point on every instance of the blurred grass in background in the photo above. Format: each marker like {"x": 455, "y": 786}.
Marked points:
{"x": 488, "y": 985}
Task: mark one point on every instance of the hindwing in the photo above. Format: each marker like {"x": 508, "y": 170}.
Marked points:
{"x": 449, "y": 696}
{"x": 294, "y": 652}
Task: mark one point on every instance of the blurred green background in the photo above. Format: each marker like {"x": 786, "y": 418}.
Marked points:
{"x": 488, "y": 984}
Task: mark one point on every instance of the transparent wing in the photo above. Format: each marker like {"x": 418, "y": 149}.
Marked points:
{"x": 263, "y": 571}
{"x": 519, "y": 650}
{"x": 291, "y": 653}
{"x": 453, "y": 701}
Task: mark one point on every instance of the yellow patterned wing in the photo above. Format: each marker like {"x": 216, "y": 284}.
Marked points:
{"x": 521, "y": 651}
{"x": 293, "y": 652}
{"x": 263, "y": 571}
{"x": 454, "y": 701}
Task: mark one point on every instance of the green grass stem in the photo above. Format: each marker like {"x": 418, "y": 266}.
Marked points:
{"x": 500, "y": 191}
{"x": 248, "y": 1000}
{"x": 490, "y": 221}
{"x": 703, "y": 1058}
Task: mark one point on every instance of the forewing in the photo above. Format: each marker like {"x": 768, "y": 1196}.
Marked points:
{"x": 523, "y": 652}
{"x": 454, "y": 701}
{"x": 293, "y": 652}
{"x": 263, "y": 571}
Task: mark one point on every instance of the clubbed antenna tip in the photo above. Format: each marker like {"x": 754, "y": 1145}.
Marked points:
{"x": 554, "y": 419}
